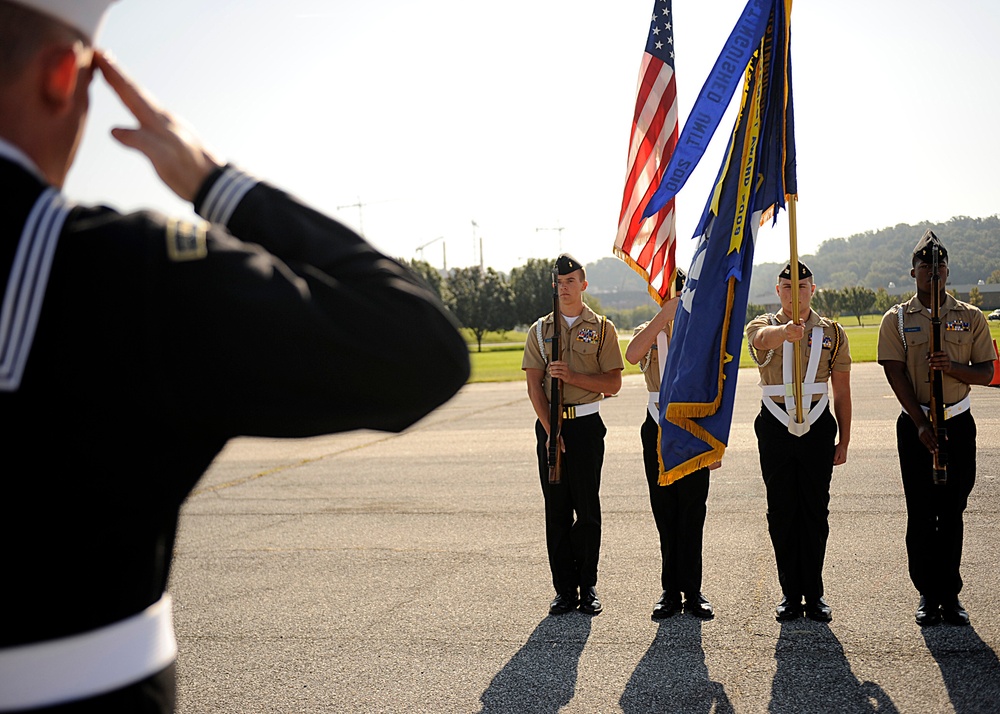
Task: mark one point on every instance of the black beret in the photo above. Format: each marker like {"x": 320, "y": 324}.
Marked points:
{"x": 567, "y": 264}
{"x": 922, "y": 251}
{"x": 804, "y": 271}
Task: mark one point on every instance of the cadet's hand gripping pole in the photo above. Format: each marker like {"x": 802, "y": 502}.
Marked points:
{"x": 797, "y": 426}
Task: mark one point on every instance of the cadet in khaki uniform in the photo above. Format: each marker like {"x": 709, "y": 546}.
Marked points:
{"x": 797, "y": 469}
{"x": 590, "y": 366}
{"x": 934, "y": 512}
{"x": 678, "y": 509}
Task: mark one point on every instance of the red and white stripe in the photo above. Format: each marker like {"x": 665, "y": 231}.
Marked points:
{"x": 648, "y": 244}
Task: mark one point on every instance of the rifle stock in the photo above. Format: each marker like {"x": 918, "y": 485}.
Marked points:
{"x": 555, "y": 397}
{"x": 940, "y": 472}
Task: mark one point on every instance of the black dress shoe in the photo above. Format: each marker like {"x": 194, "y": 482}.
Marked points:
{"x": 563, "y": 603}
{"x": 818, "y": 610}
{"x": 788, "y": 609}
{"x": 589, "y": 604}
{"x": 668, "y": 606}
{"x": 954, "y": 614}
{"x": 928, "y": 612}
{"x": 699, "y": 606}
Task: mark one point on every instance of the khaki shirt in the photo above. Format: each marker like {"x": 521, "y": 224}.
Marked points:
{"x": 965, "y": 336}
{"x": 579, "y": 347}
{"x": 651, "y": 368}
{"x": 836, "y": 357}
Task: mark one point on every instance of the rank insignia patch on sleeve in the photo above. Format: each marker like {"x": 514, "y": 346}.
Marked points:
{"x": 587, "y": 335}
{"x": 186, "y": 241}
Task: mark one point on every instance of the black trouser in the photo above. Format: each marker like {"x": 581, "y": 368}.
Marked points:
{"x": 797, "y": 471}
{"x": 934, "y": 527}
{"x": 679, "y": 512}
{"x": 573, "y": 507}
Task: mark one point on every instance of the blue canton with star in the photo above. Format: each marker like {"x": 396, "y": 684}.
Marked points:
{"x": 660, "y": 42}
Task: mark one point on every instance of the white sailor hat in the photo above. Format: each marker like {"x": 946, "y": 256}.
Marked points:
{"x": 86, "y": 16}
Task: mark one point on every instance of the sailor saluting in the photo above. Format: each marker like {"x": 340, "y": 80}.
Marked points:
{"x": 133, "y": 346}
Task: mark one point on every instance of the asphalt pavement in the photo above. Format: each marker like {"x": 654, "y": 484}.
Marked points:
{"x": 370, "y": 572}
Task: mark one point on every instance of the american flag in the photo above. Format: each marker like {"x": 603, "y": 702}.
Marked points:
{"x": 647, "y": 245}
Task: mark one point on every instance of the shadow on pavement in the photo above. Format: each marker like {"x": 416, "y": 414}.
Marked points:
{"x": 813, "y": 675}
{"x": 541, "y": 677}
{"x": 970, "y": 669}
{"x": 672, "y": 675}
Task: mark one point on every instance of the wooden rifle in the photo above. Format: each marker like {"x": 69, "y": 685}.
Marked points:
{"x": 556, "y": 395}
{"x": 940, "y": 473}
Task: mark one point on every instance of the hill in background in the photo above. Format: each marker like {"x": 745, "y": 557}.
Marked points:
{"x": 872, "y": 259}
{"x": 877, "y": 258}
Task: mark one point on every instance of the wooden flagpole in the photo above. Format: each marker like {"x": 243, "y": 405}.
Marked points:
{"x": 799, "y": 425}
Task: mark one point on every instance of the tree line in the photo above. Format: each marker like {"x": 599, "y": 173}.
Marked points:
{"x": 858, "y": 300}
{"x": 489, "y": 301}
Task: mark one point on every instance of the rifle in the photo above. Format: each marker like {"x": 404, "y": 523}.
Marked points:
{"x": 936, "y": 413}
{"x": 555, "y": 397}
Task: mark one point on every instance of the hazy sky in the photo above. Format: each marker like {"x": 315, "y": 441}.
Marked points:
{"x": 436, "y": 114}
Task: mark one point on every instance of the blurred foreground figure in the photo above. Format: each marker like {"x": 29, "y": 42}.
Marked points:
{"x": 132, "y": 347}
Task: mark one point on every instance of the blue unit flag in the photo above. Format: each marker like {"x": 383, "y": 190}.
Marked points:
{"x": 757, "y": 174}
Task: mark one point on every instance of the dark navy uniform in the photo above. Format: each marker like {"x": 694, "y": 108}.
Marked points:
{"x": 132, "y": 347}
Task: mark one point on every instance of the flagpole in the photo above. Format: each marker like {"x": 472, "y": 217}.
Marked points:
{"x": 799, "y": 426}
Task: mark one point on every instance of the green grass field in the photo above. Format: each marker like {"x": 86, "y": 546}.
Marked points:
{"x": 500, "y": 360}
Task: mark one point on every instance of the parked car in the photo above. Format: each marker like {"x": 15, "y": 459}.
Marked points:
{"x": 995, "y": 315}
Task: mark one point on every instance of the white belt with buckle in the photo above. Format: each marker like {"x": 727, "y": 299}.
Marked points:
{"x": 581, "y": 410}
{"x": 90, "y": 663}
{"x": 955, "y": 409}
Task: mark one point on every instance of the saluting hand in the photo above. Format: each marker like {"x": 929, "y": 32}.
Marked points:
{"x": 177, "y": 155}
